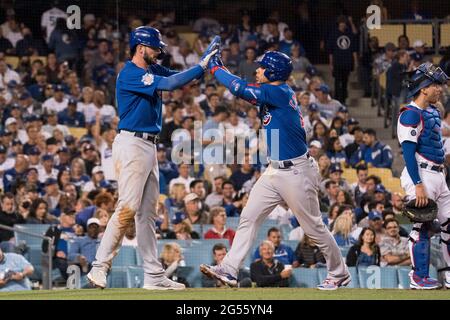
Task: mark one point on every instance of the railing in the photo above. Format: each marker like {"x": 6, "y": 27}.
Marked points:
{"x": 48, "y": 284}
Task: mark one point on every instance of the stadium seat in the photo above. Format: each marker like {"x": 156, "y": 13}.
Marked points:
{"x": 304, "y": 278}
{"x": 344, "y": 251}
{"x": 31, "y": 241}
{"x": 34, "y": 256}
{"x": 233, "y": 222}
{"x": 126, "y": 257}
{"x": 445, "y": 35}
{"x": 353, "y": 272}
{"x": 12, "y": 61}
{"x": 117, "y": 277}
{"x": 422, "y": 32}
{"x": 349, "y": 174}
{"x": 291, "y": 243}
{"x": 77, "y": 132}
{"x": 387, "y": 33}
{"x": 134, "y": 277}
{"x": 374, "y": 277}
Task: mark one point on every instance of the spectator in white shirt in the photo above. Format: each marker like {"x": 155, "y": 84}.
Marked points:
{"x": 52, "y": 124}
{"x": 185, "y": 56}
{"x": 47, "y": 171}
{"x": 7, "y": 75}
{"x": 13, "y": 34}
{"x": 58, "y": 102}
{"x": 107, "y": 112}
{"x": 184, "y": 178}
{"x": 86, "y": 100}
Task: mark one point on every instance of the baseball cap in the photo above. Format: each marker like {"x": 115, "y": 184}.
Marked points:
{"x": 16, "y": 142}
{"x": 418, "y": 43}
{"x": 335, "y": 167}
{"x": 416, "y": 56}
{"x": 324, "y": 88}
{"x": 313, "y": 107}
{"x": 63, "y": 149}
{"x": 380, "y": 188}
{"x": 59, "y": 87}
{"x": 72, "y": 101}
{"x": 4, "y": 133}
{"x": 315, "y": 143}
{"x": 97, "y": 169}
{"x": 47, "y": 156}
{"x": 51, "y": 141}
{"x": 190, "y": 197}
{"x": 88, "y": 147}
{"x": 352, "y": 121}
{"x": 69, "y": 139}
{"x": 34, "y": 151}
{"x": 93, "y": 221}
{"x": 178, "y": 217}
{"x": 311, "y": 70}
{"x": 9, "y": 121}
{"x": 24, "y": 95}
{"x": 2, "y": 149}
{"x": 343, "y": 109}
{"x": 160, "y": 146}
{"x": 15, "y": 105}
{"x": 50, "y": 181}
{"x": 375, "y": 215}
{"x": 12, "y": 84}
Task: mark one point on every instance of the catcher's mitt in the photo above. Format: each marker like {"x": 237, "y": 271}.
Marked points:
{"x": 422, "y": 214}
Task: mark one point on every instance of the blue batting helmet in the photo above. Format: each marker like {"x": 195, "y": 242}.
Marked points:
{"x": 278, "y": 65}
{"x": 147, "y": 36}
{"x": 425, "y": 75}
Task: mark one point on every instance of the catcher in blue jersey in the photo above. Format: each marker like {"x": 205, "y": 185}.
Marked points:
{"x": 138, "y": 93}
{"x": 292, "y": 176}
{"x": 423, "y": 178}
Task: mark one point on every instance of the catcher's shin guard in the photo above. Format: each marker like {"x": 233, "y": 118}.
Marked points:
{"x": 419, "y": 248}
{"x": 445, "y": 241}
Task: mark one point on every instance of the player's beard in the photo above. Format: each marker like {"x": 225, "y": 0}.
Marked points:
{"x": 148, "y": 59}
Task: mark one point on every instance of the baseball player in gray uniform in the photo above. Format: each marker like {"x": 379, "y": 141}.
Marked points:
{"x": 134, "y": 154}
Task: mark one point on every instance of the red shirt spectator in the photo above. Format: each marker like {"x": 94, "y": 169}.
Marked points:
{"x": 219, "y": 230}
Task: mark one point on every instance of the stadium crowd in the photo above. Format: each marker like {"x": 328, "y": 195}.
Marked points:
{"x": 59, "y": 120}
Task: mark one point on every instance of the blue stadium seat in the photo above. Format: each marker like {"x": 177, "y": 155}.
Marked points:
{"x": 233, "y": 222}
{"x": 285, "y": 231}
{"x": 353, "y": 272}
{"x": 388, "y": 277}
{"x": 117, "y": 277}
{"x": 126, "y": 257}
{"x": 192, "y": 275}
{"x": 34, "y": 256}
{"x": 304, "y": 278}
{"x": 344, "y": 251}
{"x": 291, "y": 243}
{"x": 135, "y": 277}
{"x": 31, "y": 241}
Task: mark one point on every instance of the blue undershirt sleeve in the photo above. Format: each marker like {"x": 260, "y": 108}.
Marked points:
{"x": 178, "y": 80}
{"x": 409, "y": 154}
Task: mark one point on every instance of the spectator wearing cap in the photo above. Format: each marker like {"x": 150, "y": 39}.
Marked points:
{"x": 247, "y": 66}
{"x": 82, "y": 250}
{"x": 16, "y": 174}
{"x": 394, "y": 248}
{"x": 58, "y": 102}
{"x": 315, "y": 148}
{"x": 52, "y": 193}
{"x": 194, "y": 214}
{"x": 311, "y": 118}
{"x": 90, "y": 157}
{"x": 328, "y": 107}
{"x": 348, "y": 137}
{"x": 52, "y": 124}
{"x": 384, "y": 62}
{"x": 170, "y": 127}
{"x": 97, "y": 181}
{"x": 342, "y": 51}
{"x": 11, "y": 126}
{"x": 47, "y": 171}
{"x": 335, "y": 174}
{"x": 166, "y": 167}
{"x": 6, "y": 163}
{"x": 29, "y": 106}
{"x": 335, "y": 151}
{"x": 70, "y": 117}
{"x": 39, "y": 213}
{"x": 63, "y": 158}
{"x": 373, "y": 152}
{"x": 374, "y": 220}
{"x": 343, "y": 114}
{"x": 37, "y": 90}
{"x": 218, "y": 218}
{"x": 182, "y": 228}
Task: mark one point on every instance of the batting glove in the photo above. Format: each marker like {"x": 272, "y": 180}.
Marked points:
{"x": 212, "y": 49}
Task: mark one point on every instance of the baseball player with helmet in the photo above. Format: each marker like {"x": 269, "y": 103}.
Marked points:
{"x": 292, "y": 176}
{"x": 134, "y": 153}
{"x": 419, "y": 133}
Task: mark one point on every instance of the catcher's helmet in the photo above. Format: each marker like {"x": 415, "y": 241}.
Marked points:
{"x": 147, "y": 36}
{"x": 425, "y": 75}
{"x": 278, "y": 65}
{"x": 422, "y": 214}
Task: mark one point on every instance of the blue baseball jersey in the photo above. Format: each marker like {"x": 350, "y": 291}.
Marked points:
{"x": 138, "y": 100}
{"x": 282, "y": 118}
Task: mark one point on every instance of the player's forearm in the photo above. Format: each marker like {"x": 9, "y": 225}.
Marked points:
{"x": 224, "y": 77}
{"x": 178, "y": 80}
{"x": 237, "y": 86}
{"x": 409, "y": 154}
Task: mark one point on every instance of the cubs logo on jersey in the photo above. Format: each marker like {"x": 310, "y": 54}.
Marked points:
{"x": 147, "y": 79}
{"x": 266, "y": 119}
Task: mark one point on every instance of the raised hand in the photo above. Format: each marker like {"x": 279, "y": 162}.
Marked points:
{"x": 212, "y": 49}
